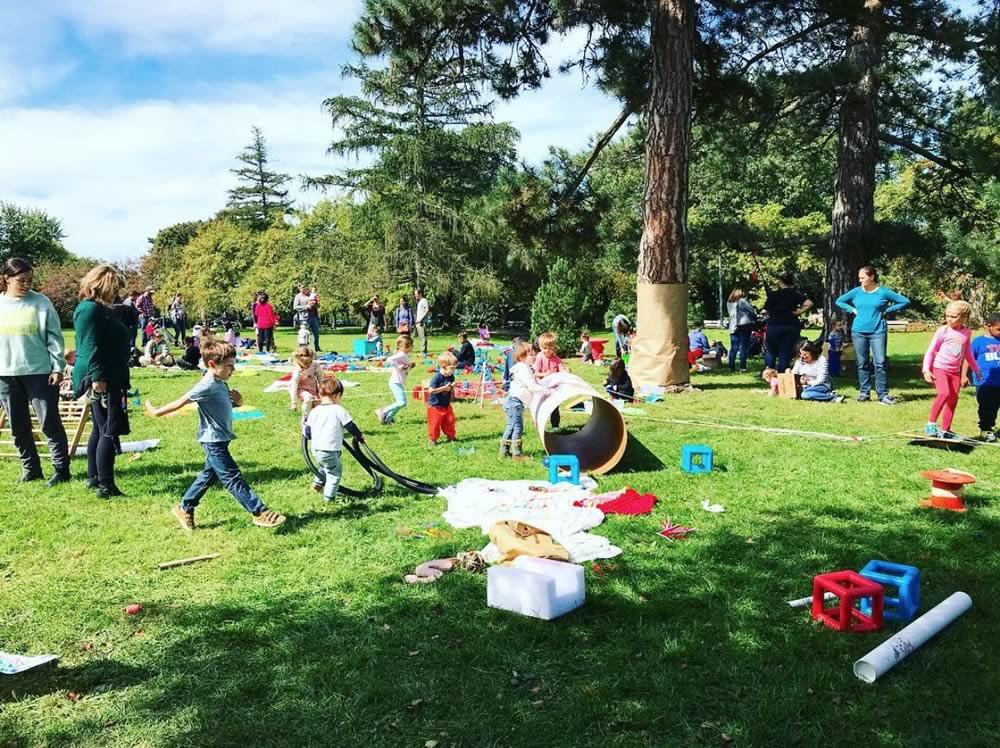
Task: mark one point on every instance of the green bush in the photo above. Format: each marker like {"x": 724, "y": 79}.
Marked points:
{"x": 564, "y": 305}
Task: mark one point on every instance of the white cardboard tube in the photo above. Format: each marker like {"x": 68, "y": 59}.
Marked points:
{"x": 804, "y": 601}
{"x": 886, "y": 655}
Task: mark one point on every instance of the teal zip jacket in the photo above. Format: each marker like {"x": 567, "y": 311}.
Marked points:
{"x": 31, "y": 340}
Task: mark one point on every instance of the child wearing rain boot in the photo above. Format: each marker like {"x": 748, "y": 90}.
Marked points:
{"x": 522, "y": 385}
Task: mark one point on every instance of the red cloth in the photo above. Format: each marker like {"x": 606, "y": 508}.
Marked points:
{"x": 438, "y": 420}
{"x": 630, "y": 502}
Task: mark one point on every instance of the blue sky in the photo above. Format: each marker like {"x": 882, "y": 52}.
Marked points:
{"x": 121, "y": 121}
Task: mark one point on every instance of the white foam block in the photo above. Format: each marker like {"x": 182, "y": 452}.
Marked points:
{"x": 536, "y": 587}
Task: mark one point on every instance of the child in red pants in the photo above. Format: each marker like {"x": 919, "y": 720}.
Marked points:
{"x": 440, "y": 415}
{"x": 949, "y": 347}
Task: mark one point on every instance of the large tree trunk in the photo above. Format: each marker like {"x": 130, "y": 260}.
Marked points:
{"x": 660, "y": 353}
{"x": 857, "y": 153}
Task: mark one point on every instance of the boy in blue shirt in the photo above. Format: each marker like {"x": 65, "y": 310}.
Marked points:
{"x": 440, "y": 414}
{"x": 215, "y": 403}
{"x": 986, "y": 351}
{"x": 835, "y": 348}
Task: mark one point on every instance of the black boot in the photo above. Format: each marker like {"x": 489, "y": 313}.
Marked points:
{"x": 30, "y": 475}
{"x": 107, "y": 492}
{"x": 59, "y": 476}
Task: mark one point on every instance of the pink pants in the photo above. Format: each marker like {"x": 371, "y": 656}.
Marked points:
{"x": 948, "y": 385}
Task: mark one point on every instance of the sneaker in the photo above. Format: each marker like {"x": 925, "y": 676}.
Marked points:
{"x": 948, "y": 435}
{"x": 989, "y": 437}
{"x": 887, "y": 400}
{"x": 838, "y": 399}
{"x": 185, "y": 519}
{"x": 931, "y": 429}
{"x": 269, "y": 518}
{"x": 380, "y": 416}
{"x": 863, "y": 397}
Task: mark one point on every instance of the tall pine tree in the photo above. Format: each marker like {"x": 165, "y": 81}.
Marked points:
{"x": 261, "y": 195}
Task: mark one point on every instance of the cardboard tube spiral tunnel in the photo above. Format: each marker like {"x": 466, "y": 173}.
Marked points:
{"x": 600, "y": 444}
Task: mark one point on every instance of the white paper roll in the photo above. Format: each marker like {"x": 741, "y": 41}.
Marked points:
{"x": 887, "y": 654}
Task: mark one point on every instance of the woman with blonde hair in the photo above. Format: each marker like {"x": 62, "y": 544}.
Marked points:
{"x": 741, "y": 319}
{"x": 101, "y": 372}
{"x": 32, "y": 360}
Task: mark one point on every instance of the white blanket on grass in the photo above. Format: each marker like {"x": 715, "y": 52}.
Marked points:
{"x": 481, "y": 503}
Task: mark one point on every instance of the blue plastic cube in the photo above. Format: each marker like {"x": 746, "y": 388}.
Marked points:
{"x": 571, "y": 462}
{"x": 902, "y": 589}
{"x": 364, "y": 347}
{"x": 696, "y": 458}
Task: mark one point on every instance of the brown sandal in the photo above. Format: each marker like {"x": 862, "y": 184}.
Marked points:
{"x": 269, "y": 518}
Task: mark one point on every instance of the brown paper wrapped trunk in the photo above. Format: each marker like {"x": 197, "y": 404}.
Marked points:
{"x": 659, "y": 354}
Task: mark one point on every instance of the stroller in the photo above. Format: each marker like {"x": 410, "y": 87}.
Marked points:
{"x": 757, "y": 335}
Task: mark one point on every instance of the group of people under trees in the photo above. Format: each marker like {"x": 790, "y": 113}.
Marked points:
{"x": 34, "y": 363}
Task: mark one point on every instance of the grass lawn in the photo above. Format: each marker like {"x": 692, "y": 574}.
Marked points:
{"x": 307, "y": 635}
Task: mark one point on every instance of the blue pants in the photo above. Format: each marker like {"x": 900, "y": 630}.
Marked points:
{"x": 313, "y": 323}
{"x": 870, "y": 348}
{"x": 220, "y": 467}
{"x": 780, "y": 345}
{"x": 739, "y": 342}
{"x": 833, "y": 363}
{"x": 514, "y": 409}
{"x": 399, "y": 393}
{"x": 332, "y": 468}
{"x": 819, "y": 392}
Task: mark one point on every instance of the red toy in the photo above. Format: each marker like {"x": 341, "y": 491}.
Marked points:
{"x": 849, "y": 588}
{"x": 946, "y": 489}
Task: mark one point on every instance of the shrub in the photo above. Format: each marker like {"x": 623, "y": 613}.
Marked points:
{"x": 564, "y": 305}
{"x": 61, "y": 283}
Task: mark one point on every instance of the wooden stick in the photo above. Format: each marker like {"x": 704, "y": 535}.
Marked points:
{"x": 185, "y": 561}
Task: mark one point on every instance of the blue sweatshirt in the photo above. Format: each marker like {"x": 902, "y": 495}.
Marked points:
{"x": 986, "y": 350}
{"x": 870, "y": 307}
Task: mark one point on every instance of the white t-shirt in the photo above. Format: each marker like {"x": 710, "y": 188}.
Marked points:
{"x": 400, "y": 363}
{"x": 422, "y": 310}
{"x": 522, "y": 382}
{"x": 326, "y": 423}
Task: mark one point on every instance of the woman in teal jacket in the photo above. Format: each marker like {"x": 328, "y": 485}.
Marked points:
{"x": 101, "y": 372}
{"x": 32, "y": 361}
{"x": 869, "y": 303}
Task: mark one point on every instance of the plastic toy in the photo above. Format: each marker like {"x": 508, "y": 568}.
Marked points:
{"x": 536, "y": 587}
{"x": 570, "y": 462}
{"x": 849, "y": 587}
{"x": 906, "y": 581}
{"x": 947, "y": 487}
{"x": 696, "y": 458}
{"x": 364, "y": 347}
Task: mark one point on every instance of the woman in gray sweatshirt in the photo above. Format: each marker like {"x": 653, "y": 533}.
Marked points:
{"x": 32, "y": 361}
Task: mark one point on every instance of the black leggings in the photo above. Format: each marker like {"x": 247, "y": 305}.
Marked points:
{"x": 101, "y": 448}
{"x": 265, "y": 338}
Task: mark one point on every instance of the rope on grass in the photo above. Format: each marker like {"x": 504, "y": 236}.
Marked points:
{"x": 763, "y": 429}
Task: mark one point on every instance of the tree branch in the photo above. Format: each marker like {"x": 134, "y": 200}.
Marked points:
{"x": 599, "y": 146}
{"x": 786, "y": 42}
{"x": 908, "y": 145}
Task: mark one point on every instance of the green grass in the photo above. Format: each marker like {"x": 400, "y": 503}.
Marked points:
{"x": 308, "y": 636}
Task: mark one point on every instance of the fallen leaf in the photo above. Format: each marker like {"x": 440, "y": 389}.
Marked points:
{"x": 414, "y": 653}
{"x": 643, "y": 598}
{"x": 140, "y": 632}
{"x": 708, "y": 725}
{"x": 415, "y": 703}
{"x": 430, "y": 744}
{"x": 136, "y": 456}
{"x": 750, "y": 540}
{"x": 73, "y": 696}
{"x": 726, "y": 738}
{"x": 598, "y": 570}
{"x": 386, "y": 627}
{"x": 86, "y": 646}
{"x": 537, "y": 704}
{"x": 536, "y": 689}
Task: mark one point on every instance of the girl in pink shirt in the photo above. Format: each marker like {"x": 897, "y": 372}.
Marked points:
{"x": 943, "y": 366}
{"x": 547, "y": 362}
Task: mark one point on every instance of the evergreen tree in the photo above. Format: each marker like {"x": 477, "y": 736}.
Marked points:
{"x": 261, "y": 195}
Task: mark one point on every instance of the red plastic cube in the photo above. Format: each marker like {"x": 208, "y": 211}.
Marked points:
{"x": 849, "y": 587}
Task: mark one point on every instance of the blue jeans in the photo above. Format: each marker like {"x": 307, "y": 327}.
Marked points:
{"x": 313, "y": 323}
{"x": 739, "y": 342}
{"x": 514, "y": 409}
{"x": 873, "y": 344}
{"x": 220, "y": 467}
{"x": 819, "y": 392}
{"x": 780, "y": 345}
{"x": 399, "y": 393}
{"x": 333, "y": 469}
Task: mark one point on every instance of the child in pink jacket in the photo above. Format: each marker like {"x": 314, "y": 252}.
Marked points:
{"x": 949, "y": 347}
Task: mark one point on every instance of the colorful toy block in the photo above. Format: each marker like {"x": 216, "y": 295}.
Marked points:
{"x": 848, "y": 588}
{"x": 898, "y": 578}
{"x": 696, "y": 458}
{"x": 571, "y": 462}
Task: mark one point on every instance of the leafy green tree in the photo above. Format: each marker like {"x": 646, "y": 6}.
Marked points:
{"x": 166, "y": 250}
{"x": 261, "y": 195}
{"x": 31, "y": 234}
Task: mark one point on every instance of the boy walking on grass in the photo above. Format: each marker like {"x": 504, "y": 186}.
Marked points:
{"x": 440, "y": 414}
{"x": 215, "y": 403}
{"x": 325, "y": 427}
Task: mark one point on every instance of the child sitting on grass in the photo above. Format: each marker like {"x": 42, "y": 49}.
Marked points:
{"x": 191, "y": 357}
{"x": 586, "y": 349}
{"x": 215, "y": 403}
{"x": 950, "y": 346}
{"x": 375, "y": 336}
{"x": 400, "y": 364}
{"x": 619, "y": 383}
{"x": 304, "y": 385}
{"x": 522, "y": 384}
{"x": 547, "y": 362}
{"x": 325, "y": 427}
{"x": 770, "y": 376}
{"x": 986, "y": 351}
{"x": 440, "y": 414}
{"x": 813, "y": 374}
{"x": 466, "y": 356}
